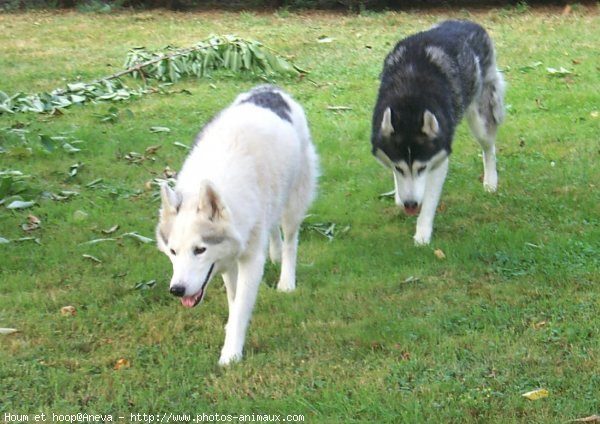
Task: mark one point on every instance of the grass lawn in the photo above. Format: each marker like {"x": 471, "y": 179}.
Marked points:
{"x": 378, "y": 329}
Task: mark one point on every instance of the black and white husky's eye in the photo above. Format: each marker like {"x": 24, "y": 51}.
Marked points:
{"x": 199, "y": 250}
{"x": 399, "y": 170}
{"x": 173, "y": 252}
{"x": 420, "y": 170}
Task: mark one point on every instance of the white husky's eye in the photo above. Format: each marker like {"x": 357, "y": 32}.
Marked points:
{"x": 173, "y": 252}
{"x": 199, "y": 250}
{"x": 400, "y": 170}
{"x": 420, "y": 170}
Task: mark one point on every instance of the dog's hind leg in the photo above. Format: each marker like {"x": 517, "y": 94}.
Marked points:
{"x": 484, "y": 116}
{"x": 433, "y": 191}
{"x": 291, "y": 226}
{"x": 250, "y": 272}
{"x": 230, "y": 281}
{"x": 275, "y": 244}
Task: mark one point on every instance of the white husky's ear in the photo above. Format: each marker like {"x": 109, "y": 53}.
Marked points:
{"x": 211, "y": 204}
{"x": 431, "y": 127}
{"x": 171, "y": 200}
{"x": 386, "y": 123}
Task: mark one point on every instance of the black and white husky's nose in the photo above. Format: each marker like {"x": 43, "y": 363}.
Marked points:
{"x": 177, "y": 290}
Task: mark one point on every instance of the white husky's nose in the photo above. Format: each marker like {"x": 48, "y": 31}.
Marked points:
{"x": 177, "y": 290}
{"x": 411, "y": 207}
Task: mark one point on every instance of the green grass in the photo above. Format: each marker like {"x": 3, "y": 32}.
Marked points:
{"x": 378, "y": 330}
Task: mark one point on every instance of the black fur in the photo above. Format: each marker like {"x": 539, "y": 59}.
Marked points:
{"x": 413, "y": 81}
{"x": 268, "y": 97}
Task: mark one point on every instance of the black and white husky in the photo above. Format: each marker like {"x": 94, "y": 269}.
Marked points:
{"x": 429, "y": 81}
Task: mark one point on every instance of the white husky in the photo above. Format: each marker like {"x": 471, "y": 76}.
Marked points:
{"x": 252, "y": 169}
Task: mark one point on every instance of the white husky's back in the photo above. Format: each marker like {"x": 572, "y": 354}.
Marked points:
{"x": 252, "y": 169}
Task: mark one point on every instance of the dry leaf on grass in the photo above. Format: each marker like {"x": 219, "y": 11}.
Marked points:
{"x": 590, "y": 419}
{"x": 67, "y": 311}
{"x": 150, "y": 150}
{"x": 536, "y": 394}
{"x": 111, "y": 229}
{"x": 92, "y": 258}
{"x": 33, "y": 223}
{"x": 439, "y": 253}
{"x": 122, "y": 363}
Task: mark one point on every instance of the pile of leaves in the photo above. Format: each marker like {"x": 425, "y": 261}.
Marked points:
{"x": 227, "y": 52}
{"x": 216, "y": 52}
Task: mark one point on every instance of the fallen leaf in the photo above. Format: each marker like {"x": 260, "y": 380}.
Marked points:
{"x": 122, "y": 363}
{"x": 33, "y": 223}
{"x": 183, "y": 146}
{"x": 169, "y": 173}
{"x": 561, "y": 72}
{"x": 67, "y": 311}
{"x": 19, "y": 204}
{"x": 336, "y": 108}
{"x": 152, "y": 149}
{"x": 536, "y": 394}
{"x": 540, "y": 324}
{"x": 8, "y": 330}
{"x": 590, "y": 419}
{"x": 111, "y": 229}
{"x": 145, "y": 285}
{"x": 138, "y": 237}
{"x": 412, "y": 279}
{"x": 159, "y": 129}
{"x": 324, "y": 39}
{"x": 388, "y": 194}
{"x": 100, "y": 240}
{"x": 439, "y": 254}
{"x": 94, "y": 183}
{"x": 92, "y": 258}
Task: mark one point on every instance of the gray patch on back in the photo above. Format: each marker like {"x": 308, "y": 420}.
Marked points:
{"x": 442, "y": 60}
{"x": 267, "y": 97}
{"x": 395, "y": 56}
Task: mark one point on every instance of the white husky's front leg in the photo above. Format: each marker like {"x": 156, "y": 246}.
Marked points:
{"x": 433, "y": 191}
{"x": 250, "y": 271}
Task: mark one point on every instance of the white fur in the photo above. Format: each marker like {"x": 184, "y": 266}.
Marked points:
{"x": 249, "y": 172}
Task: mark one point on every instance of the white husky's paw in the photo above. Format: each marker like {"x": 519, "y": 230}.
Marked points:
{"x": 286, "y": 286}
{"x": 422, "y": 237}
{"x": 228, "y": 358}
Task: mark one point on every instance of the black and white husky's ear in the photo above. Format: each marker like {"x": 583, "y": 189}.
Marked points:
{"x": 211, "y": 204}
{"x": 431, "y": 127}
{"x": 386, "y": 123}
{"x": 170, "y": 199}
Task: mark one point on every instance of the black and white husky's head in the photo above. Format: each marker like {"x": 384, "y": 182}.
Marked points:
{"x": 412, "y": 140}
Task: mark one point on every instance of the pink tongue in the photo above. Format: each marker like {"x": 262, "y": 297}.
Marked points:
{"x": 190, "y": 301}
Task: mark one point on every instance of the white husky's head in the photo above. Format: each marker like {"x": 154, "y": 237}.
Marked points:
{"x": 195, "y": 232}
{"x": 412, "y": 152}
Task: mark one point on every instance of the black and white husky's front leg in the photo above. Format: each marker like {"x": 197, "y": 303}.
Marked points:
{"x": 431, "y": 198}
